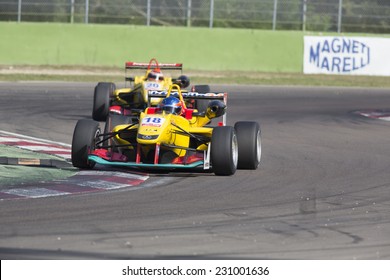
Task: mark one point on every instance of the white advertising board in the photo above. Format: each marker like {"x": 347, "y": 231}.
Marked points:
{"x": 346, "y": 55}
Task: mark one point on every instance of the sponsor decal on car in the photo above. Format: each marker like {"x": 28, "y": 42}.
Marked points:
{"x": 194, "y": 94}
{"x": 152, "y": 85}
{"x": 152, "y": 121}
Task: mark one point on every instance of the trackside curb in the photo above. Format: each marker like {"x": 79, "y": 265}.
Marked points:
{"x": 81, "y": 182}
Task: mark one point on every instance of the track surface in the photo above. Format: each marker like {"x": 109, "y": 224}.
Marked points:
{"x": 322, "y": 190}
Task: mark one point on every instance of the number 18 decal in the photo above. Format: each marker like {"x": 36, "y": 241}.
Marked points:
{"x": 152, "y": 121}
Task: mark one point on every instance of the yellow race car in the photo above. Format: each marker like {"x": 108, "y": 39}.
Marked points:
{"x": 155, "y": 76}
{"x": 171, "y": 136}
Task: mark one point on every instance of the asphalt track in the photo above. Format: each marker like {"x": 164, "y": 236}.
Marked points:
{"x": 321, "y": 192}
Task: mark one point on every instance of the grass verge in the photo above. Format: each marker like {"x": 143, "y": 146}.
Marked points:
{"x": 11, "y": 175}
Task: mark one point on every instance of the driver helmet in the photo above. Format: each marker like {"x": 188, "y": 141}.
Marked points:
{"x": 155, "y": 75}
{"x": 171, "y": 105}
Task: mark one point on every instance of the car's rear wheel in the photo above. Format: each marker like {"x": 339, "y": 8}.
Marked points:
{"x": 224, "y": 150}
{"x": 249, "y": 144}
{"x": 84, "y": 139}
{"x": 101, "y": 101}
{"x": 200, "y": 104}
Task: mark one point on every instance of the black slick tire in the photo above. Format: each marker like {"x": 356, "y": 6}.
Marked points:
{"x": 201, "y": 105}
{"x": 101, "y": 101}
{"x": 224, "y": 152}
{"x": 249, "y": 144}
{"x": 84, "y": 136}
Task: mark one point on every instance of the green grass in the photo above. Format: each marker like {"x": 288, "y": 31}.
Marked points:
{"x": 217, "y": 55}
{"x": 16, "y": 174}
{"x": 215, "y": 49}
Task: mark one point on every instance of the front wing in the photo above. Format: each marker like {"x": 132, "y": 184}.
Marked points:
{"x": 102, "y": 161}
{"x": 205, "y": 163}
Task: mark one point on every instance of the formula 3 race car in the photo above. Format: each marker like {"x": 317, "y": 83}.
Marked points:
{"x": 107, "y": 98}
{"x": 171, "y": 136}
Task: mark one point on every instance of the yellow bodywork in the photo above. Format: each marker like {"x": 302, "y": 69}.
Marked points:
{"x": 138, "y": 95}
{"x": 166, "y": 130}
{"x": 156, "y": 128}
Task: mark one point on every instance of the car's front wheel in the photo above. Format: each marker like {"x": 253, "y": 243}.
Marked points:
{"x": 224, "y": 150}
{"x": 84, "y": 139}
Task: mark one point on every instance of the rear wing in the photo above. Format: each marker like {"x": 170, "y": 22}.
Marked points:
{"x": 190, "y": 95}
{"x": 166, "y": 66}
{"x": 130, "y": 65}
